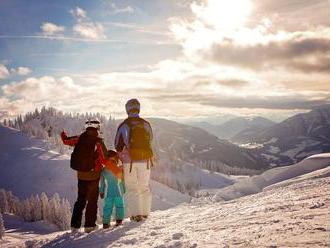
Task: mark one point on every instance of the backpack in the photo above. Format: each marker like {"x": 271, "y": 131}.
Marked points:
{"x": 139, "y": 139}
{"x": 84, "y": 153}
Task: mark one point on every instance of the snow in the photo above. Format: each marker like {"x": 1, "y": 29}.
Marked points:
{"x": 269, "y": 157}
{"x": 271, "y": 141}
{"x": 255, "y": 184}
{"x": 283, "y": 207}
{"x": 274, "y": 149}
{"x": 292, "y": 215}
{"x": 251, "y": 145}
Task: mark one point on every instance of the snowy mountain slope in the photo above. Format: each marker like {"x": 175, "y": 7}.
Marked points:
{"x": 291, "y": 215}
{"x": 19, "y": 232}
{"x": 273, "y": 176}
{"x": 294, "y": 139}
{"x": 182, "y": 142}
{"x": 173, "y": 141}
{"x": 27, "y": 167}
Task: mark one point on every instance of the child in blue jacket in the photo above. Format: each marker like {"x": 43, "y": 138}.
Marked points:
{"x": 113, "y": 197}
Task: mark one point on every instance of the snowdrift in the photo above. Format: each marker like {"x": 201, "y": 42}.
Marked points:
{"x": 256, "y": 184}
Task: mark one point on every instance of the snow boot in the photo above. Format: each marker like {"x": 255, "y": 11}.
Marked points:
{"x": 119, "y": 222}
{"x": 106, "y": 226}
{"x": 137, "y": 218}
{"x": 91, "y": 229}
{"x": 74, "y": 230}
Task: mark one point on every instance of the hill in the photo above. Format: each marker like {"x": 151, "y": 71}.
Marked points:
{"x": 294, "y": 139}
{"x": 234, "y": 126}
{"x": 292, "y": 211}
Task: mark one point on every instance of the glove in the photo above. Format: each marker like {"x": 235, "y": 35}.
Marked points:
{"x": 101, "y": 195}
{"x": 63, "y": 135}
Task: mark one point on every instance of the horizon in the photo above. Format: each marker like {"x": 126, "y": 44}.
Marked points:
{"x": 193, "y": 60}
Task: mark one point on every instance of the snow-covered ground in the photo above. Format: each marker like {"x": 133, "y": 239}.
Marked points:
{"x": 294, "y": 213}
{"x": 285, "y": 206}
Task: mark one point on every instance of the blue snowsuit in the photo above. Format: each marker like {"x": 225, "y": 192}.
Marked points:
{"x": 113, "y": 196}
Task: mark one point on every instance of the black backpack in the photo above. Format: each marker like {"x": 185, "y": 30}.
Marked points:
{"x": 139, "y": 139}
{"x": 84, "y": 153}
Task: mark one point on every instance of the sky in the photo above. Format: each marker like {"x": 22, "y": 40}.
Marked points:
{"x": 185, "y": 59}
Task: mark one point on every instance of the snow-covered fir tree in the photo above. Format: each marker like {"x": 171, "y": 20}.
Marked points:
{"x": 36, "y": 208}
{"x": 3, "y": 201}
{"x": 26, "y": 210}
{"x": 45, "y": 212}
{"x": 2, "y": 227}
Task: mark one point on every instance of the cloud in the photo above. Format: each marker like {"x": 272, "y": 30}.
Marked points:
{"x": 51, "y": 28}
{"x": 202, "y": 82}
{"x": 42, "y": 89}
{"x": 288, "y": 102}
{"x": 304, "y": 54}
{"x": 4, "y": 72}
{"x": 85, "y": 27}
{"x": 292, "y": 15}
{"x": 90, "y": 30}
{"x": 78, "y": 13}
{"x": 21, "y": 70}
{"x": 117, "y": 10}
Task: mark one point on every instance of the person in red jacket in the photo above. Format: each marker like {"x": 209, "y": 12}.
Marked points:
{"x": 88, "y": 181}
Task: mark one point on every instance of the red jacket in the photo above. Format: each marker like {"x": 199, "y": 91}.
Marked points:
{"x": 100, "y": 161}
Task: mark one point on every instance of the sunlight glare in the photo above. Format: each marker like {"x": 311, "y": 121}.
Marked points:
{"x": 224, "y": 14}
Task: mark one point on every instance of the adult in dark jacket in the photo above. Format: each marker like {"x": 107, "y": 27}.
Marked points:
{"x": 88, "y": 181}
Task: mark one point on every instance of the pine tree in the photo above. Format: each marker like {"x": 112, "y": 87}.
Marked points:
{"x": 37, "y": 208}
{"x": 3, "y": 201}
{"x": 26, "y": 210}
{"x": 10, "y": 200}
{"x": 2, "y": 227}
{"x": 54, "y": 206}
{"x": 45, "y": 212}
{"x": 65, "y": 215}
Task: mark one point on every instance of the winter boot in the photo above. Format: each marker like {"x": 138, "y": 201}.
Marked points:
{"x": 74, "y": 230}
{"x": 137, "y": 218}
{"x": 106, "y": 226}
{"x": 119, "y": 222}
{"x": 91, "y": 229}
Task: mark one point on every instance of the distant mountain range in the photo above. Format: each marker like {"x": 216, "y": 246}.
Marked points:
{"x": 292, "y": 140}
{"x": 179, "y": 141}
{"x": 235, "y": 126}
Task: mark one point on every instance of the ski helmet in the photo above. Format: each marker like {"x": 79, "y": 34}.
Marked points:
{"x": 93, "y": 123}
{"x": 132, "y": 106}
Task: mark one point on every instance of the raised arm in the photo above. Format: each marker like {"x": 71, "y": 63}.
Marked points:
{"x": 70, "y": 141}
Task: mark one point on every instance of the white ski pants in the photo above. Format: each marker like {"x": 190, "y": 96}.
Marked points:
{"x": 138, "y": 194}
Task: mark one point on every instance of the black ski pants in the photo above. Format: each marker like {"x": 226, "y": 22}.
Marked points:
{"x": 88, "y": 192}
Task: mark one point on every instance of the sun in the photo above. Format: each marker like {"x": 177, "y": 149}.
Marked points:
{"x": 224, "y": 14}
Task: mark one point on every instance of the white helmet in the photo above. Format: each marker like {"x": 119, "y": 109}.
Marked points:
{"x": 93, "y": 123}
